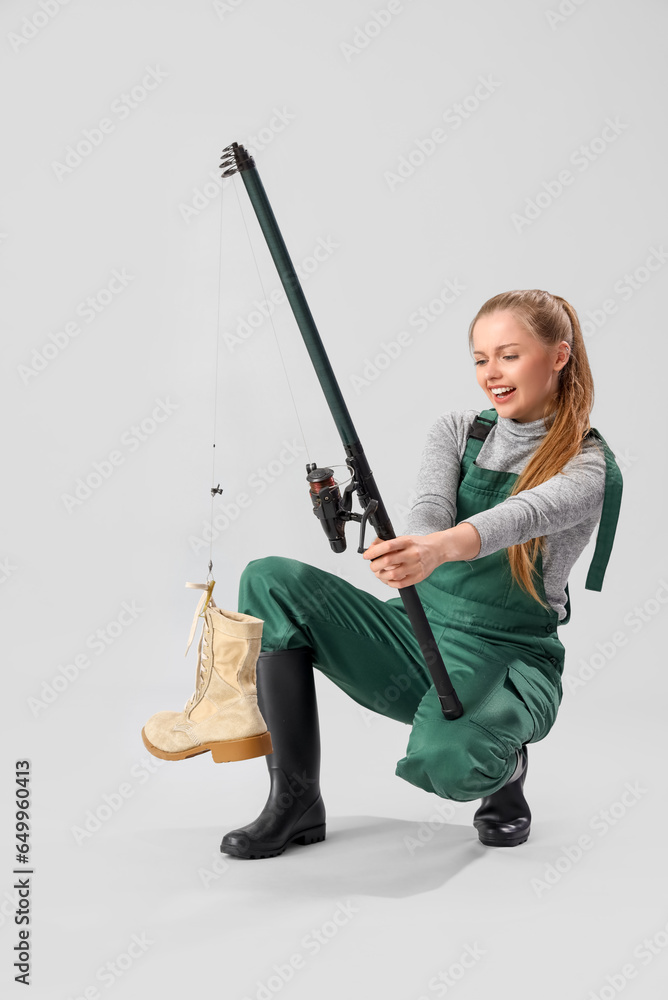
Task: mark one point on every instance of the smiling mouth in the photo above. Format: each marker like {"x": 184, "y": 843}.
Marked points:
{"x": 504, "y": 393}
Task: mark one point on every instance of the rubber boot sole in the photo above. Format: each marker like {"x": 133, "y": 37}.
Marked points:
{"x": 314, "y": 835}
{"x": 222, "y": 751}
{"x": 309, "y": 828}
{"x": 491, "y": 841}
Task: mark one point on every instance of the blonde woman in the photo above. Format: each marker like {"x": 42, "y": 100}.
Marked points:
{"x": 507, "y": 499}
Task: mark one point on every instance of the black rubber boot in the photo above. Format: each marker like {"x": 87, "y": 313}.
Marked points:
{"x": 294, "y": 812}
{"x": 503, "y": 819}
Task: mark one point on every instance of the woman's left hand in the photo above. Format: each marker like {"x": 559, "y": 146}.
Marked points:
{"x": 404, "y": 561}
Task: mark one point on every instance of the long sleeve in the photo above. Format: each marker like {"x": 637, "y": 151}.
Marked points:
{"x": 435, "y": 504}
{"x": 565, "y": 510}
{"x": 572, "y": 497}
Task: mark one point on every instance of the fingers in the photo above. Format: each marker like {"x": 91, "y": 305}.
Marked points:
{"x": 380, "y": 548}
{"x": 390, "y": 572}
{"x": 405, "y": 581}
{"x": 389, "y": 561}
{"x": 386, "y": 567}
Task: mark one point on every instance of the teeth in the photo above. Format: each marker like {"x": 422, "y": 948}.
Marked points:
{"x": 505, "y": 389}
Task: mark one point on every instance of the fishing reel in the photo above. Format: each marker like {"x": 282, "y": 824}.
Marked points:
{"x": 335, "y": 510}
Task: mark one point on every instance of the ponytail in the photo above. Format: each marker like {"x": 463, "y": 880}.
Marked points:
{"x": 550, "y": 319}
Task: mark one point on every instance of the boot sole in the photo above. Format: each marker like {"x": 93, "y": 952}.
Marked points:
{"x": 507, "y": 842}
{"x": 314, "y": 835}
{"x": 222, "y": 751}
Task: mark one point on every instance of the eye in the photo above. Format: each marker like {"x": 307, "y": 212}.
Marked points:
{"x": 506, "y": 357}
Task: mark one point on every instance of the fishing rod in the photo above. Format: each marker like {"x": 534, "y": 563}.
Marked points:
{"x": 332, "y": 509}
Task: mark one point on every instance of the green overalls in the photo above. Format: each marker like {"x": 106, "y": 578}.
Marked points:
{"x": 499, "y": 645}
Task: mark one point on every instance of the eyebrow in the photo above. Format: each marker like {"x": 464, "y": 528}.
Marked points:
{"x": 501, "y": 347}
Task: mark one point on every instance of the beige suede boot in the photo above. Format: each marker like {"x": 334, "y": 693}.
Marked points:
{"x": 222, "y": 715}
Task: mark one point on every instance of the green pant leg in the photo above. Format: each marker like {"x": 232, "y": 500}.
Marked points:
{"x": 367, "y": 648}
{"x": 510, "y": 693}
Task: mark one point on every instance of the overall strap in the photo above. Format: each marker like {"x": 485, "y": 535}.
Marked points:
{"x": 609, "y": 516}
{"x": 483, "y": 424}
{"x": 480, "y": 428}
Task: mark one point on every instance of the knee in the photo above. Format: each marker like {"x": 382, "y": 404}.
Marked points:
{"x": 266, "y": 570}
{"x": 461, "y": 771}
{"x": 271, "y": 582}
{"x": 454, "y": 775}
{"x": 265, "y": 565}
{"x": 464, "y": 776}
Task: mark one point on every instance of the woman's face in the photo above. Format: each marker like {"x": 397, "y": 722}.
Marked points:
{"x": 507, "y": 356}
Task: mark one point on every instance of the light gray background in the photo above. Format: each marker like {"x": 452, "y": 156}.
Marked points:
{"x": 347, "y": 116}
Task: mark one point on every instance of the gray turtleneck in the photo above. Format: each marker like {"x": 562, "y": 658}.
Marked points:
{"x": 565, "y": 509}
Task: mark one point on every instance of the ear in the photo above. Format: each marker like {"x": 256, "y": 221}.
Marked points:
{"x": 562, "y": 356}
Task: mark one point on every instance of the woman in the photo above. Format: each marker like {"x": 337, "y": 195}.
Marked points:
{"x": 506, "y": 501}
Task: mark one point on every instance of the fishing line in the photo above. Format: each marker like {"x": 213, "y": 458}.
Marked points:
{"x": 217, "y": 489}
{"x": 280, "y": 353}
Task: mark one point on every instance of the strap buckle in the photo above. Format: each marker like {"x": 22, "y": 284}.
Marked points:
{"x": 481, "y": 427}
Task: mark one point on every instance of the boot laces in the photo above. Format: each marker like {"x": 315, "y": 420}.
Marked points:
{"x": 202, "y": 672}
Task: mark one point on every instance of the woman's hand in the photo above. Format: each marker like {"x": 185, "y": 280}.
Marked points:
{"x": 404, "y": 561}
{"x": 409, "y": 559}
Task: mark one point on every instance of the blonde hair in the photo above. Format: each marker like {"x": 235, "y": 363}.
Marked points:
{"x": 550, "y": 319}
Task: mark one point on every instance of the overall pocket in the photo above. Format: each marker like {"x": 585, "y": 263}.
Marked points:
{"x": 522, "y": 705}
{"x": 504, "y": 714}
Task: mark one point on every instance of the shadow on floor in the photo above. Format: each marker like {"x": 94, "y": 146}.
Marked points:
{"x": 362, "y": 855}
